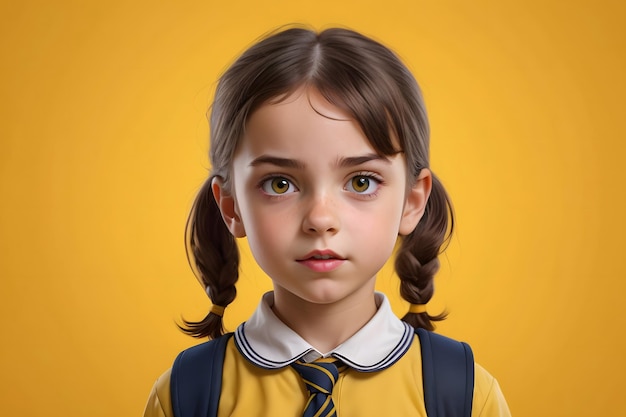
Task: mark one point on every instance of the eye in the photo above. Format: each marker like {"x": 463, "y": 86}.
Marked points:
{"x": 277, "y": 186}
{"x": 363, "y": 184}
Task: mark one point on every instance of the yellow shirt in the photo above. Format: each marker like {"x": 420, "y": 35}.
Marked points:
{"x": 248, "y": 390}
{"x": 384, "y": 376}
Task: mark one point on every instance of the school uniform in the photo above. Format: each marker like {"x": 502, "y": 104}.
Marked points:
{"x": 384, "y": 374}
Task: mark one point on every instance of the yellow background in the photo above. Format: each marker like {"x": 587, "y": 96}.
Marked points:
{"x": 103, "y": 142}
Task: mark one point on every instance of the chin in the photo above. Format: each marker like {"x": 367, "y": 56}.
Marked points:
{"x": 327, "y": 294}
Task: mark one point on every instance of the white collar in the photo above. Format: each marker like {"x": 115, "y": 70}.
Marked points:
{"x": 269, "y": 343}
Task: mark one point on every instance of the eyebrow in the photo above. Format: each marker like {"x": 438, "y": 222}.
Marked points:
{"x": 296, "y": 164}
{"x": 359, "y": 160}
{"x": 279, "y": 162}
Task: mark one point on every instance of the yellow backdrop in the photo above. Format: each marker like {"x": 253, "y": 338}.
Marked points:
{"x": 103, "y": 142}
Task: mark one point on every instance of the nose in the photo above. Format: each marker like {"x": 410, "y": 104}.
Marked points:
{"x": 321, "y": 216}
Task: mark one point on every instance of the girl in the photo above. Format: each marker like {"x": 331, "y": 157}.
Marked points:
{"x": 319, "y": 151}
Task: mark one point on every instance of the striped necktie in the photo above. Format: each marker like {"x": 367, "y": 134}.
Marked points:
{"x": 320, "y": 377}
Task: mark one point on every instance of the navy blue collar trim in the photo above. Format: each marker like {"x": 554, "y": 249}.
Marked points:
{"x": 245, "y": 348}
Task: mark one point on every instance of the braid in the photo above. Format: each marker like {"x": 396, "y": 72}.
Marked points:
{"x": 417, "y": 258}
{"x": 214, "y": 251}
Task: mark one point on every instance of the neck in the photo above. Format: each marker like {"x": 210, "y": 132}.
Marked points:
{"x": 325, "y": 325}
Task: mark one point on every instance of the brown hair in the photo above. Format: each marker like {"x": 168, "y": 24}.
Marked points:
{"x": 362, "y": 77}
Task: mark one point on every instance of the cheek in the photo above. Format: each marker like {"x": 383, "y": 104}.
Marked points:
{"x": 384, "y": 213}
{"x": 380, "y": 225}
{"x": 266, "y": 229}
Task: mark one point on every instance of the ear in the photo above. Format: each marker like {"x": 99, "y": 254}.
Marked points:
{"x": 228, "y": 207}
{"x": 415, "y": 202}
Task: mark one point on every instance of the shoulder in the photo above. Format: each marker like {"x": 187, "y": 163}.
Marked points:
{"x": 189, "y": 367}
{"x": 159, "y": 403}
{"x": 488, "y": 398}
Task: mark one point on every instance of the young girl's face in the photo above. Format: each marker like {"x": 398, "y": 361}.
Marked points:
{"x": 321, "y": 209}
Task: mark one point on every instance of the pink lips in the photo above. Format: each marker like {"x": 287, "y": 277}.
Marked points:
{"x": 322, "y": 261}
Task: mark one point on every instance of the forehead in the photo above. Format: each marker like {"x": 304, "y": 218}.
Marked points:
{"x": 303, "y": 121}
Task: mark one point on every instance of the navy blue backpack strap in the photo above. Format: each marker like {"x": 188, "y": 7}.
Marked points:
{"x": 448, "y": 375}
{"x": 196, "y": 380}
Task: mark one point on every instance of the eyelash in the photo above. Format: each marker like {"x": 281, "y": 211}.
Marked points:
{"x": 266, "y": 183}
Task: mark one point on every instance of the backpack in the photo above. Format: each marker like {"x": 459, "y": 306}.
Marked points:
{"x": 447, "y": 369}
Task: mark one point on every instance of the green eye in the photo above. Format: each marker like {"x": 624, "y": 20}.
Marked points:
{"x": 363, "y": 184}
{"x": 277, "y": 186}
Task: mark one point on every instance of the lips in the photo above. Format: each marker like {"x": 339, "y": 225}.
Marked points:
{"x": 322, "y": 261}
{"x": 321, "y": 255}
